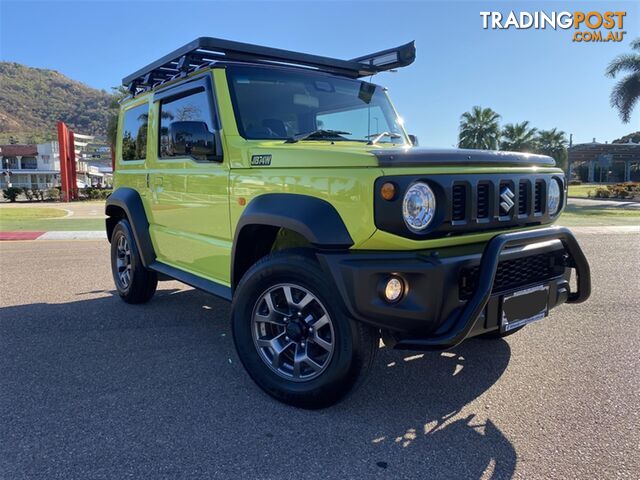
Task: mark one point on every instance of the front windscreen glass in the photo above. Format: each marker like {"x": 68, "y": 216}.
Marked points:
{"x": 274, "y": 103}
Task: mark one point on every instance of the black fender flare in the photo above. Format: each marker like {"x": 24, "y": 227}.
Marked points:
{"x": 314, "y": 218}
{"x": 128, "y": 200}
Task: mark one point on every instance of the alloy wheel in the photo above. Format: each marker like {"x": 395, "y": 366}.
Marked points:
{"x": 123, "y": 262}
{"x": 293, "y": 332}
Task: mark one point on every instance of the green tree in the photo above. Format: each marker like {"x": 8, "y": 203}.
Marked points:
{"x": 518, "y": 137}
{"x": 11, "y": 193}
{"x": 479, "y": 129}
{"x": 631, "y": 137}
{"x": 117, "y": 95}
{"x": 554, "y": 144}
{"x": 626, "y": 92}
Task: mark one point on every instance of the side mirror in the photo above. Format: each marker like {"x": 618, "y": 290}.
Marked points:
{"x": 192, "y": 139}
{"x": 414, "y": 140}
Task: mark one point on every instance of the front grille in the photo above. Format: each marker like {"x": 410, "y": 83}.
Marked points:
{"x": 498, "y": 201}
{"x": 458, "y": 202}
{"x": 539, "y": 193}
{"x": 514, "y": 273}
{"x": 523, "y": 192}
{"x": 483, "y": 201}
{"x": 469, "y": 203}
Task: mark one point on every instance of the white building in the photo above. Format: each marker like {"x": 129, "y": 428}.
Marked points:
{"x": 38, "y": 167}
{"x": 30, "y": 166}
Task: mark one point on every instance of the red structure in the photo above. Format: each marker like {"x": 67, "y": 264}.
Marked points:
{"x": 68, "y": 174}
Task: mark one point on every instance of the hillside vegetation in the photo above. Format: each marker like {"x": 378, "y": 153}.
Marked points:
{"x": 32, "y": 100}
{"x": 633, "y": 137}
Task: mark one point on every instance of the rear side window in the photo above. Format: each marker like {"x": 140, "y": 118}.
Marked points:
{"x": 187, "y": 128}
{"x": 134, "y": 133}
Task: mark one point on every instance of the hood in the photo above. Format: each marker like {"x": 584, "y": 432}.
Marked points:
{"x": 312, "y": 154}
{"x": 423, "y": 157}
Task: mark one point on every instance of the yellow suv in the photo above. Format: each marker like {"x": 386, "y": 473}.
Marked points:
{"x": 286, "y": 183}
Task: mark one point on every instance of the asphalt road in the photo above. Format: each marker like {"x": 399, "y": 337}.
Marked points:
{"x": 93, "y": 388}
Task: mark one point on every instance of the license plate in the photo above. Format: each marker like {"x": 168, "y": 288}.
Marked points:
{"x": 524, "y": 306}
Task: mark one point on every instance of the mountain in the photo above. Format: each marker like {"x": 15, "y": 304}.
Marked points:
{"x": 32, "y": 100}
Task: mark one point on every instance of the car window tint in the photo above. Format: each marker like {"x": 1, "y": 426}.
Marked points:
{"x": 134, "y": 133}
{"x": 186, "y": 127}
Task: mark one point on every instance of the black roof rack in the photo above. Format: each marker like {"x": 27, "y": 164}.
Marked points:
{"x": 205, "y": 50}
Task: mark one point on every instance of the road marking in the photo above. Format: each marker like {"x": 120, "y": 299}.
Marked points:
{"x": 11, "y": 236}
{"x": 77, "y": 235}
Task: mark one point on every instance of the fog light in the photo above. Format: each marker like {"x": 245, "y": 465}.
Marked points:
{"x": 394, "y": 289}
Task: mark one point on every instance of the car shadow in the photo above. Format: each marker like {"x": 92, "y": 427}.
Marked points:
{"x": 99, "y": 388}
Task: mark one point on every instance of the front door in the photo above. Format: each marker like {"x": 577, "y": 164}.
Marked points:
{"x": 188, "y": 182}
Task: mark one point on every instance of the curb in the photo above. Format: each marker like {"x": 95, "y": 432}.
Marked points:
{"x": 54, "y": 235}
{"x": 606, "y": 229}
{"x": 616, "y": 202}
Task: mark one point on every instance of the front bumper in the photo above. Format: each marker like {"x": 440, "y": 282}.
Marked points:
{"x": 455, "y": 293}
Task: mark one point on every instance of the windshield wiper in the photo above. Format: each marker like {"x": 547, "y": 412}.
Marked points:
{"x": 378, "y": 136}
{"x": 320, "y": 133}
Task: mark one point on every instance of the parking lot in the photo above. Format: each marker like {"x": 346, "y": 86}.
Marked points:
{"x": 93, "y": 388}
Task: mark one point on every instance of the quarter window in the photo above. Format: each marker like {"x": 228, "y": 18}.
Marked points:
{"x": 134, "y": 133}
{"x": 186, "y": 127}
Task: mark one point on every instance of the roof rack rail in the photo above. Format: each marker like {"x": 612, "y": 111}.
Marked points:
{"x": 205, "y": 50}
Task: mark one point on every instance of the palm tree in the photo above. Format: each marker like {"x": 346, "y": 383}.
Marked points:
{"x": 518, "y": 137}
{"x": 553, "y": 143}
{"x": 626, "y": 92}
{"x": 479, "y": 129}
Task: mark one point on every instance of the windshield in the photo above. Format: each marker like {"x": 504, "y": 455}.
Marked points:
{"x": 273, "y": 103}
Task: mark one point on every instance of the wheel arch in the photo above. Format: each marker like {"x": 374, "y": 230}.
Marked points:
{"x": 125, "y": 203}
{"x": 313, "y": 219}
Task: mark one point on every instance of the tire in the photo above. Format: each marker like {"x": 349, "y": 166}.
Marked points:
{"x": 315, "y": 367}
{"x": 139, "y": 284}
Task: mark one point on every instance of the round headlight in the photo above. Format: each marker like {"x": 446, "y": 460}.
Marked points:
{"x": 418, "y": 206}
{"x": 553, "y": 198}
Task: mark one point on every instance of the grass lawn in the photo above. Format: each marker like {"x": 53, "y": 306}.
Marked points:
{"x": 34, "y": 219}
{"x": 51, "y": 224}
{"x": 30, "y": 213}
{"x": 575, "y": 216}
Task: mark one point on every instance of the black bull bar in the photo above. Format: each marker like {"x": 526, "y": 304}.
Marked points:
{"x": 467, "y": 317}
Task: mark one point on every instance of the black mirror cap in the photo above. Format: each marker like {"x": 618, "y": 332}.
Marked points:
{"x": 414, "y": 140}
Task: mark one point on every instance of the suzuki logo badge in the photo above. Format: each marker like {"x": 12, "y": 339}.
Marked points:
{"x": 507, "y": 203}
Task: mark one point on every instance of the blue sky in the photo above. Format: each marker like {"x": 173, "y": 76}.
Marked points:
{"x": 540, "y": 76}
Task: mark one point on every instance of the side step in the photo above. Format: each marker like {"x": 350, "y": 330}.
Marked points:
{"x": 209, "y": 286}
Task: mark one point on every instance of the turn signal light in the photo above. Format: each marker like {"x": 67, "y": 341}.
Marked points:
{"x": 388, "y": 191}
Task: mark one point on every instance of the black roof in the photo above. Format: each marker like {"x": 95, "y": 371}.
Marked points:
{"x": 204, "y": 51}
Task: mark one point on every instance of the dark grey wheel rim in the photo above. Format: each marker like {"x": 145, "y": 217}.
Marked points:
{"x": 123, "y": 262}
{"x": 293, "y": 332}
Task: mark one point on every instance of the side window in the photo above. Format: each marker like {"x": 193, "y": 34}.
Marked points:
{"x": 134, "y": 133}
{"x": 186, "y": 127}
